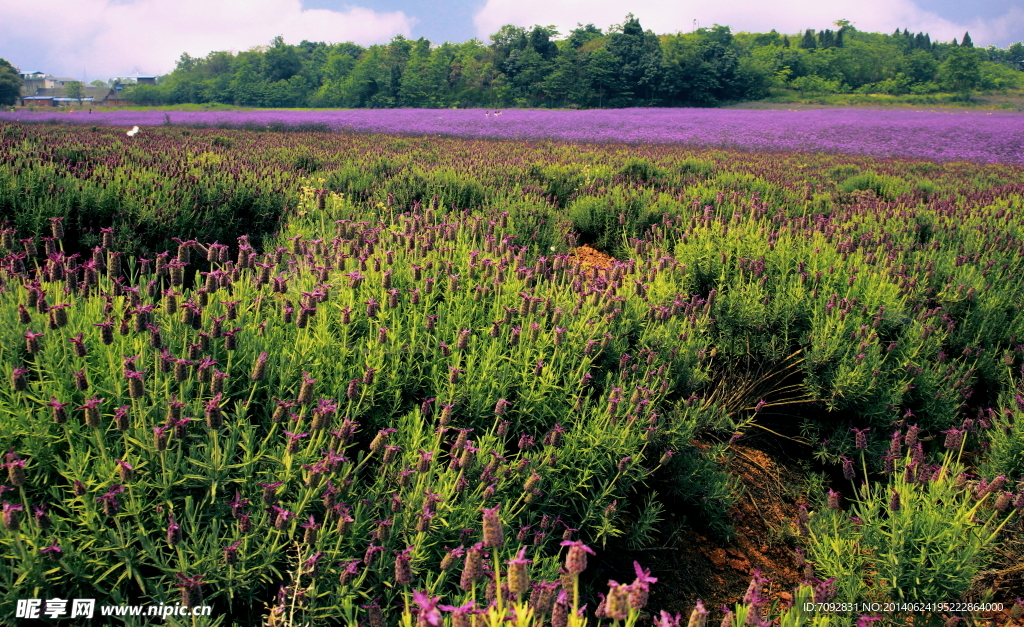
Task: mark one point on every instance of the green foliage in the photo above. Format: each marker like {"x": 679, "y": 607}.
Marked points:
{"x": 699, "y": 167}
{"x": 306, "y": 163}
{"x": 10, "y": 84}
{"x": 621, "y": 66}
{"x": 885, "y": 187}
{"x": 559, "y": 181}
{"x": 930, "y": 543}
{"x": 607, "y": 221}
{"x": 1005, "y": 438}
{"x": 444, "y": 186}
{"x": 961, "y": 71}
{"x": 73, "y": 89}
{"x": 641, "y": 171}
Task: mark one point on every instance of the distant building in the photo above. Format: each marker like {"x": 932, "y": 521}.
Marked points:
{"x": 46, "y": 90}
{"x": 57, "y": 96}
{"x": 52, "y": 81}
{"x": 31, "y": 81}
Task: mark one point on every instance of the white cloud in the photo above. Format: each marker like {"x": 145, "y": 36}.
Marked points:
{"x": 785, "y": 16}
{"x": 109, "y": 38}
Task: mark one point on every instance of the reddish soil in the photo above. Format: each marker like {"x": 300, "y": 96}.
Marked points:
{"x": 592, "y": 258}
{"x": 718, "y": 572}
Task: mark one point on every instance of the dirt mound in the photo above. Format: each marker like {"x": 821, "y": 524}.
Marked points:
{"x": 589, "y": 257}
{"x": 698, "y": 567}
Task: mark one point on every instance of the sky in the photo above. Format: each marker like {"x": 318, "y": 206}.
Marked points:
{"x": 101, "y": 39}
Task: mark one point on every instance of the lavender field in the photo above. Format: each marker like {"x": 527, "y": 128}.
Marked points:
{"x": 938, "y": 135}
{"x": 318, "y": 378}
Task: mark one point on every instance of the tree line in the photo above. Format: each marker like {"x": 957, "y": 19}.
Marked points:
{"x": 621, "y": 66}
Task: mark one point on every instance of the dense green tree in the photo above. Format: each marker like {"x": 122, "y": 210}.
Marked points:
{"x": 601, "y": 71}
{"x": 638, "y": 56}
{"x": 567, "y": 82}
{"x": 339, "y": 64}
{"x": 363, "y": 84}
{"x": 145, "y": 95}
{"x": 10, "y": 84}
{"x": 540, "y": 41}
{"x": 1014, "y": 56}
{"x": 689, "y": 74}
{"x": 73, "y": 89}
{"x": 527, "y": 71}
{"x": 808, "y": 42}
{"x": 280, "y": 61}
{"x": 424, "y": 81}
{"x": 621, "y": 66}
{"x": 503, "y": 42}
{"x": 247, "y": 86}
{"x": 961, "y": 71}
{"x": 771, "y": 38}
{"x": 920, "y": 66}
{"x": 582, "y": 35}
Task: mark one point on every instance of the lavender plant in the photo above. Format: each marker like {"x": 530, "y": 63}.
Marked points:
{"x": 923, "y": 531}
{"x": 309, "y": 424}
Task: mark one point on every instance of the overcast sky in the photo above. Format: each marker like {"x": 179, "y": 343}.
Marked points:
{"x": 93, "y": 39}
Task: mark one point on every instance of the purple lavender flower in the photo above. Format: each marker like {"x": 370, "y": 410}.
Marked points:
{"x": 231, "y": 553}
{"x": 472, "y": 568}
{"x": 349, "y": 569}
{"x": 403, "y": 568}
{"x": 848, "y": 472}
{"x": 237, "y": 504}
{"x": 16, "y": 472}
{"x": 191, "y": 592}
{"x": 576, "y": 558}
{"x": 494, "y": 534}
{"x": 310, "y": 528}
{"x": 450, "y": 556}
{"x": 306, "y": 389}
{"x": 281, "y": 516}
{"x": 518, "y": 574}
{"x": 462, "y": 616}
{"x": 10, "y": 516}
{"x": 698, "y": 618}
{"x": 640, "y": 589}
{"x": 53, "y": 551}
{"x": 173, "y": 531}
{"x": 833, "y": 499}
{"x": 293, "y": 441}
{"x": 270, "y": 492}
{"x": 92, "y": 412}
{"x": 259, "y": 370}
{"x": 42, "y": 517}
{"x": 954, "y": 438}
{"x": 861, "y": 437}
{"x": 109, "y": 500}
{"x": 125, "y": 470}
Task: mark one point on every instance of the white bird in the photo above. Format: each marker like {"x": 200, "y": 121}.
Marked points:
{"x": 131, "y": 133}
